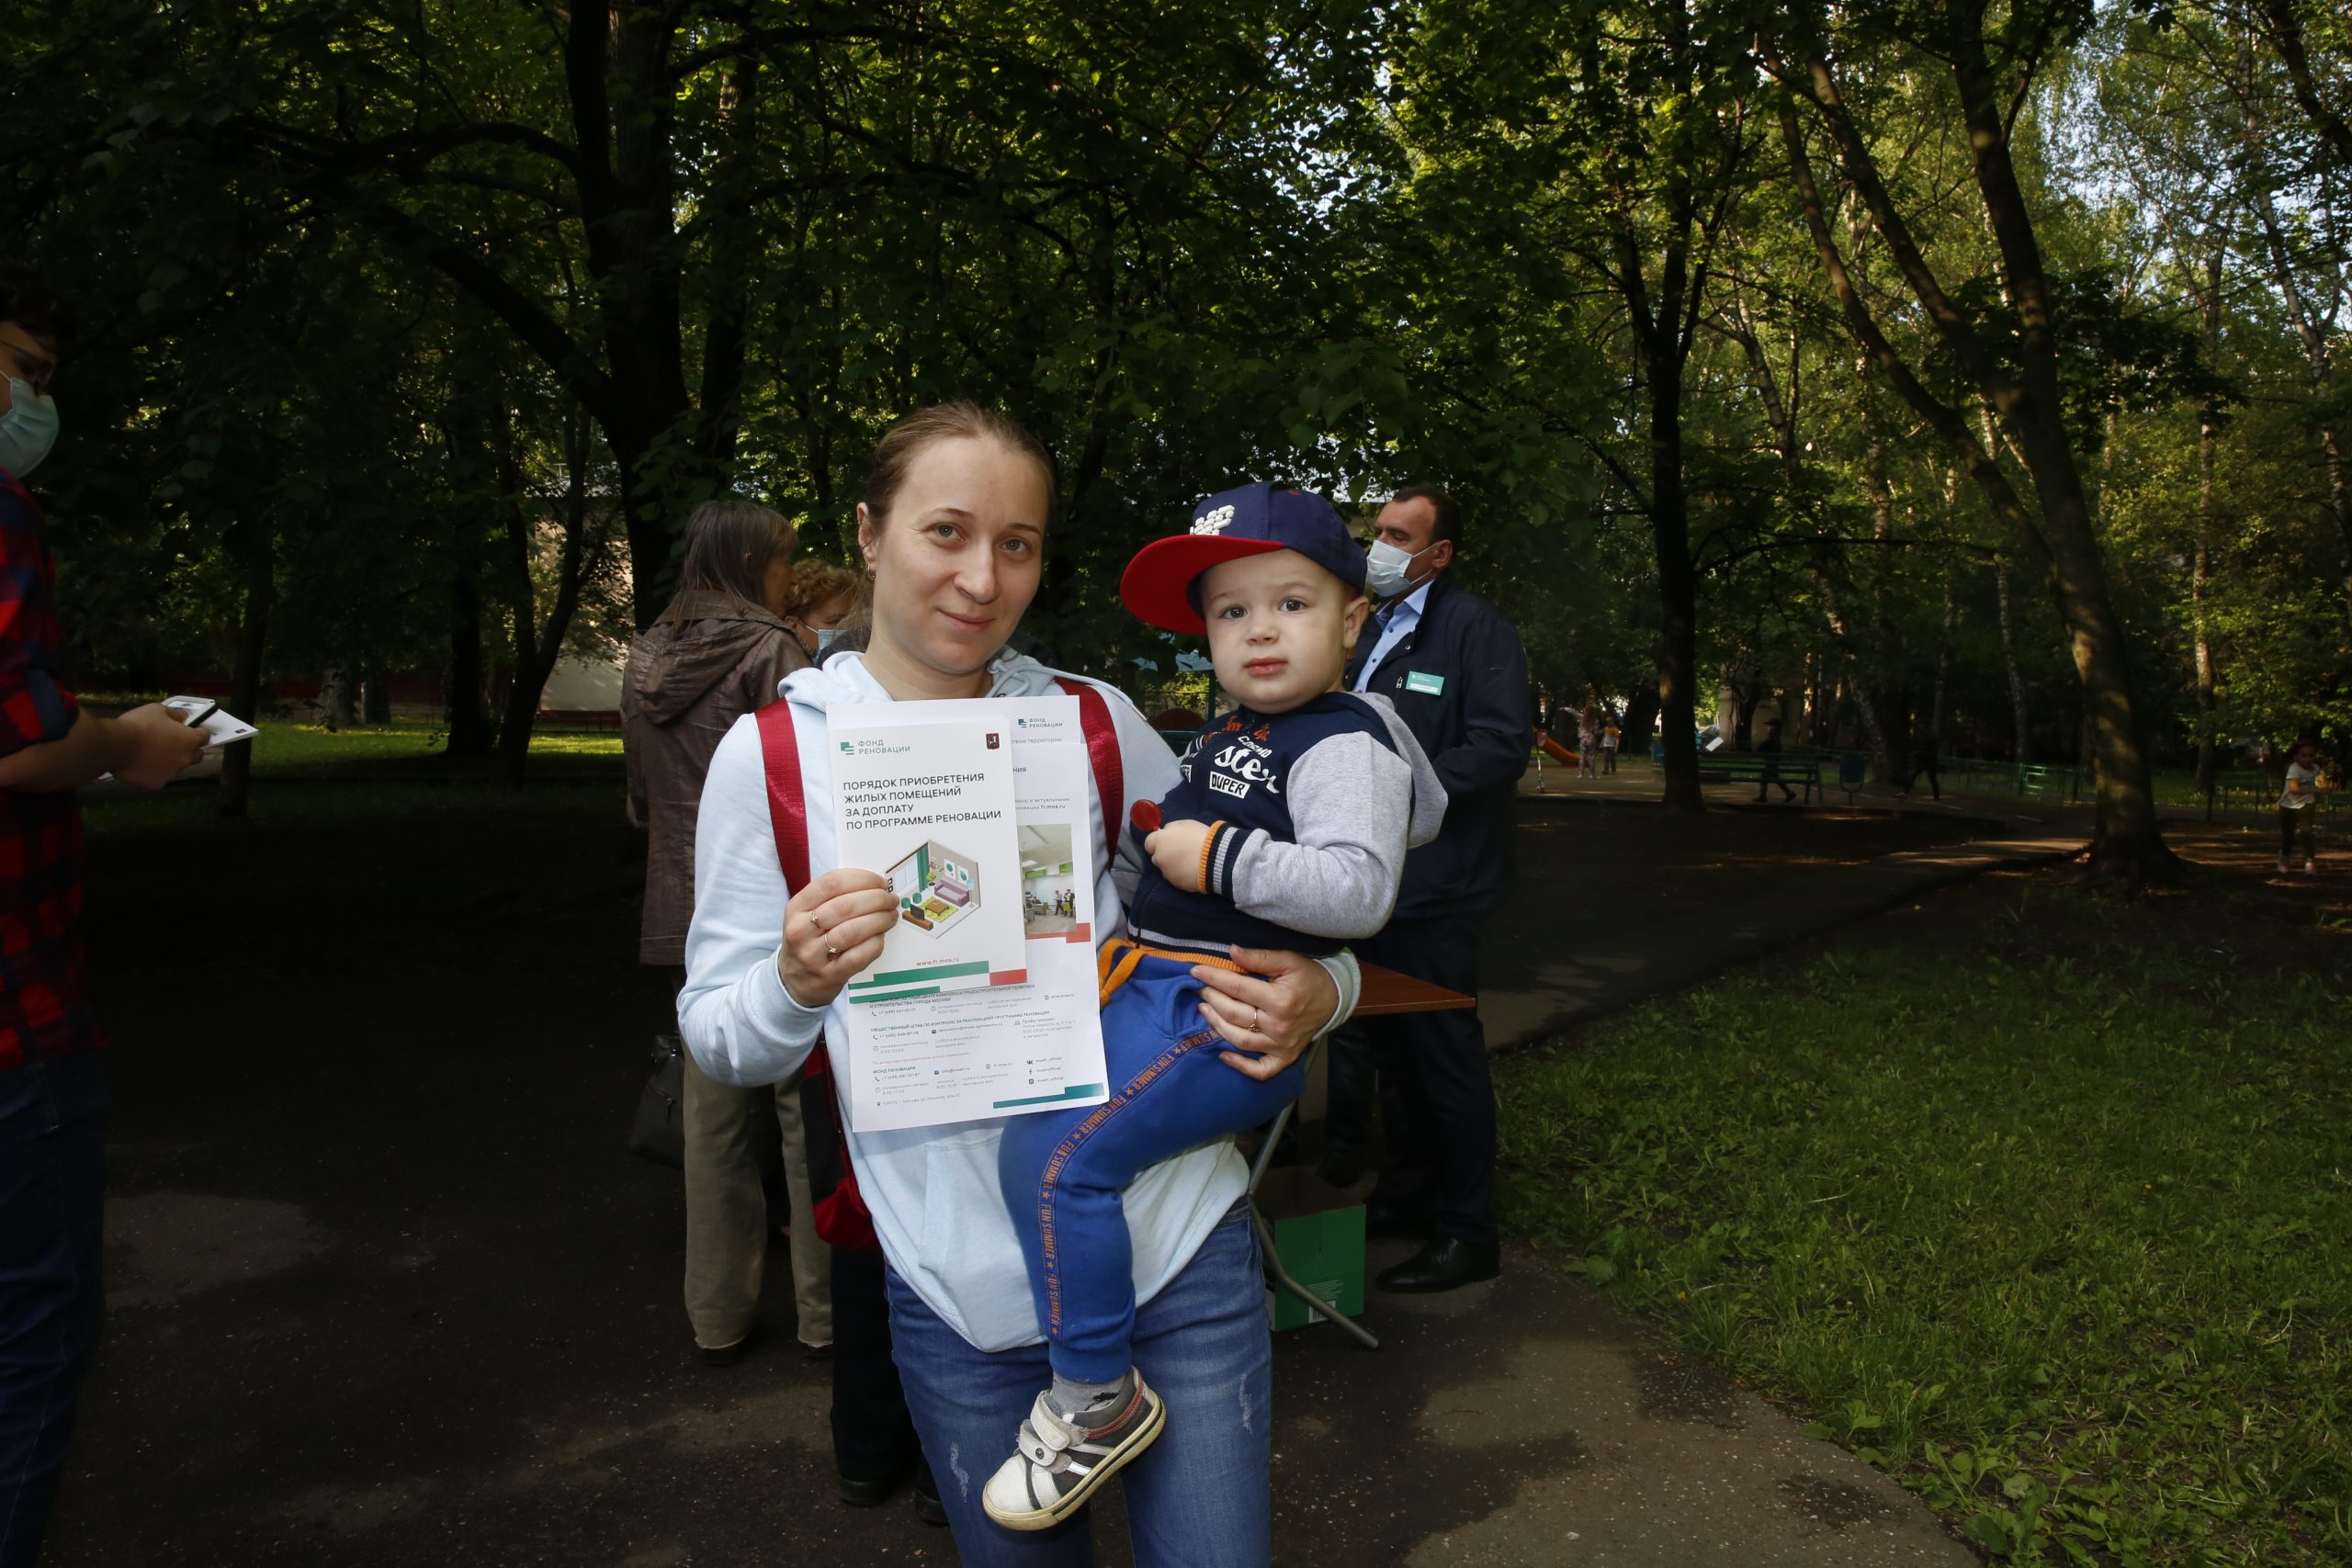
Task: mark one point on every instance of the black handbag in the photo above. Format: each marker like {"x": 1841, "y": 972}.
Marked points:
{"x": 660, "y": 1134}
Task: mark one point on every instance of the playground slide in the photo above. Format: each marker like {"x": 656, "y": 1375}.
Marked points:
{"x": 1554, "y": 751}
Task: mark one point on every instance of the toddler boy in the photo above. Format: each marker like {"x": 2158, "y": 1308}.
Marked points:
{"x": 1288, "y": 832}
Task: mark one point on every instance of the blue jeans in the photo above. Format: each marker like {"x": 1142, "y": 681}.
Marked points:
{"x": 52, "y": 1133}
{"x": 1199, "y": 1498}
{"x": 1063, "y": 1171}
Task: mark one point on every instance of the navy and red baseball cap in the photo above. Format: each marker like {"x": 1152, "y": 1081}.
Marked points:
{"x": 1162, "y": 585}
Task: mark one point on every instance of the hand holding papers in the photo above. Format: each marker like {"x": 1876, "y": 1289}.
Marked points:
{"x": 220, "y": 728}
{"x": 984, "y": 1001}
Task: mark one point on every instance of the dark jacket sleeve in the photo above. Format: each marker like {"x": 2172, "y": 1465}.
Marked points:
{"x": 1498, "y": 724}
{"x": 35, "y": 706}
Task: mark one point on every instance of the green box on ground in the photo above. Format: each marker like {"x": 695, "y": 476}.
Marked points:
{"x": 1318, "y": 1232}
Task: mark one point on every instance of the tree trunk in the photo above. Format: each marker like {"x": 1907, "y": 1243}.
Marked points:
{"x": 2019, "y": 718}
{"x": 2127, "y": 841}
{"x": 1678, "y": 591}
{"x": 465, "y": 713}
{"x": 256, "y": 544}
{"x": 1936, "y": 709}
{"x": 374, "y": 698}
{"x": 1885, "y": 674}
{"x": 1639, "y": 721}
{"x": 2207, "y": 416}
{"x": 515, "y": 725}
{"x": 537, "y": 640}
{"x": 338, "y": 696}
{"x": 522, "y": 617}
{"x": 2205, "y": 692}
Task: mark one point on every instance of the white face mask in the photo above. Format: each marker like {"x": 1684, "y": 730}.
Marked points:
{"x": 27, "y": 430}
{"x": 1385, "y": 566}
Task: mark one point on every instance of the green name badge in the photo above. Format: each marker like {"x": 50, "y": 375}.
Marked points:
{"x": 1427, "y": 685}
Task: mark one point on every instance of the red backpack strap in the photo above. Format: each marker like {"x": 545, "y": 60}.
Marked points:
{"x": 787, "y": 797}
{"x": 1103, "y": 751}
{"x": 841, "y": 1216}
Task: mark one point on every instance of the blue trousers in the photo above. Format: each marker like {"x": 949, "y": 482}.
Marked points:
{"x": 1200, "y": 1497}
{"x": 52, "y": 1128}
{"x": 1063, "y": 1171}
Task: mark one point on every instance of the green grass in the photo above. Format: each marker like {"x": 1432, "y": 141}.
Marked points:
{"x": 303, "y": 774}
{"x": 2047, "y": 1218}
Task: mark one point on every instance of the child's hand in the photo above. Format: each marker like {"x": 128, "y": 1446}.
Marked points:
{"x": 1176, "y": 851}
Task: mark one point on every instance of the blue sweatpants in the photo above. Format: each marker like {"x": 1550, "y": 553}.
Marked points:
{"x": 1063, "y": 1171}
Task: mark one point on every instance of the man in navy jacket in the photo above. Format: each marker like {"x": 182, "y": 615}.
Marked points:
{"x": 1457, "y": 674}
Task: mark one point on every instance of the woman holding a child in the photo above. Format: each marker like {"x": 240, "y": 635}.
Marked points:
{"x": 954, "y": 528}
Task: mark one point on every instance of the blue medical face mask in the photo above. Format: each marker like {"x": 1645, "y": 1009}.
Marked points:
{"x": 27, "y": 430}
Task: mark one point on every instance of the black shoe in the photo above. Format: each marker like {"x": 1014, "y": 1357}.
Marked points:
{"x": 1396, "y": 1222}
{"x": 728, "y": 1355}
{"x": 928, "y": 1508}
{"x": 1446, "y": 1264}
{"x": 870, "y": 1493}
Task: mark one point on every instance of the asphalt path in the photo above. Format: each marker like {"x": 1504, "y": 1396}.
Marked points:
{"x": 387, "y": 1292}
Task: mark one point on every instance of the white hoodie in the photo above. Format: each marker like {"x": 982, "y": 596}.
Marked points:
{"x": 933, "y": 1191}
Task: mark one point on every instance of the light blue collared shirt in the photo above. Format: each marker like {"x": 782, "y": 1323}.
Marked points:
{"x": 1402, "y": 619}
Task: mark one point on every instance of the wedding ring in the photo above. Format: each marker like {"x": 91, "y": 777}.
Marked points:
{"x": 1256, "y": 1020}
{"x": 832, "y": 952}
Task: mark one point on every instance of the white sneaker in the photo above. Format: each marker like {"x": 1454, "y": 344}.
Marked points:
{"x": 2309, "y": 866}
{"x": 1061, "y": 1463}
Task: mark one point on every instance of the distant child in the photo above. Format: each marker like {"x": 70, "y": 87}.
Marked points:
{"x": 1288, "y": 832}
{"x": 1610, "y": 736}
{"x": 2295, "y": 807}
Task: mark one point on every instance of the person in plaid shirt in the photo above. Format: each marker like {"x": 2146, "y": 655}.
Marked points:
{"x": 52, "y": 1096}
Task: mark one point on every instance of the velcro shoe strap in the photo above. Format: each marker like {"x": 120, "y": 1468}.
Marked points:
{"x": 1046, "y": 1435}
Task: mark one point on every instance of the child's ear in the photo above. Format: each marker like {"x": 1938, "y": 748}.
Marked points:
{"x": 1358, "y": 608}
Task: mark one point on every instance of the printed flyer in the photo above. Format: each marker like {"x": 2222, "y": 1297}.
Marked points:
{"x": 928, "y": 807}
{"x": 928, "y": 1056}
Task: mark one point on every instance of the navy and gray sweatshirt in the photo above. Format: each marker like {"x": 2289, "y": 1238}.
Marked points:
{"x": 1310, "y": 812}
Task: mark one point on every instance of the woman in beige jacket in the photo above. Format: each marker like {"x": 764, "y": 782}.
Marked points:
{"x": 718, "y": 651}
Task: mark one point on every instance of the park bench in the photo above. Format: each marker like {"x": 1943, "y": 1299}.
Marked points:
{"x": 2050, "y": 784}
{"x": 1714, "y": 767}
